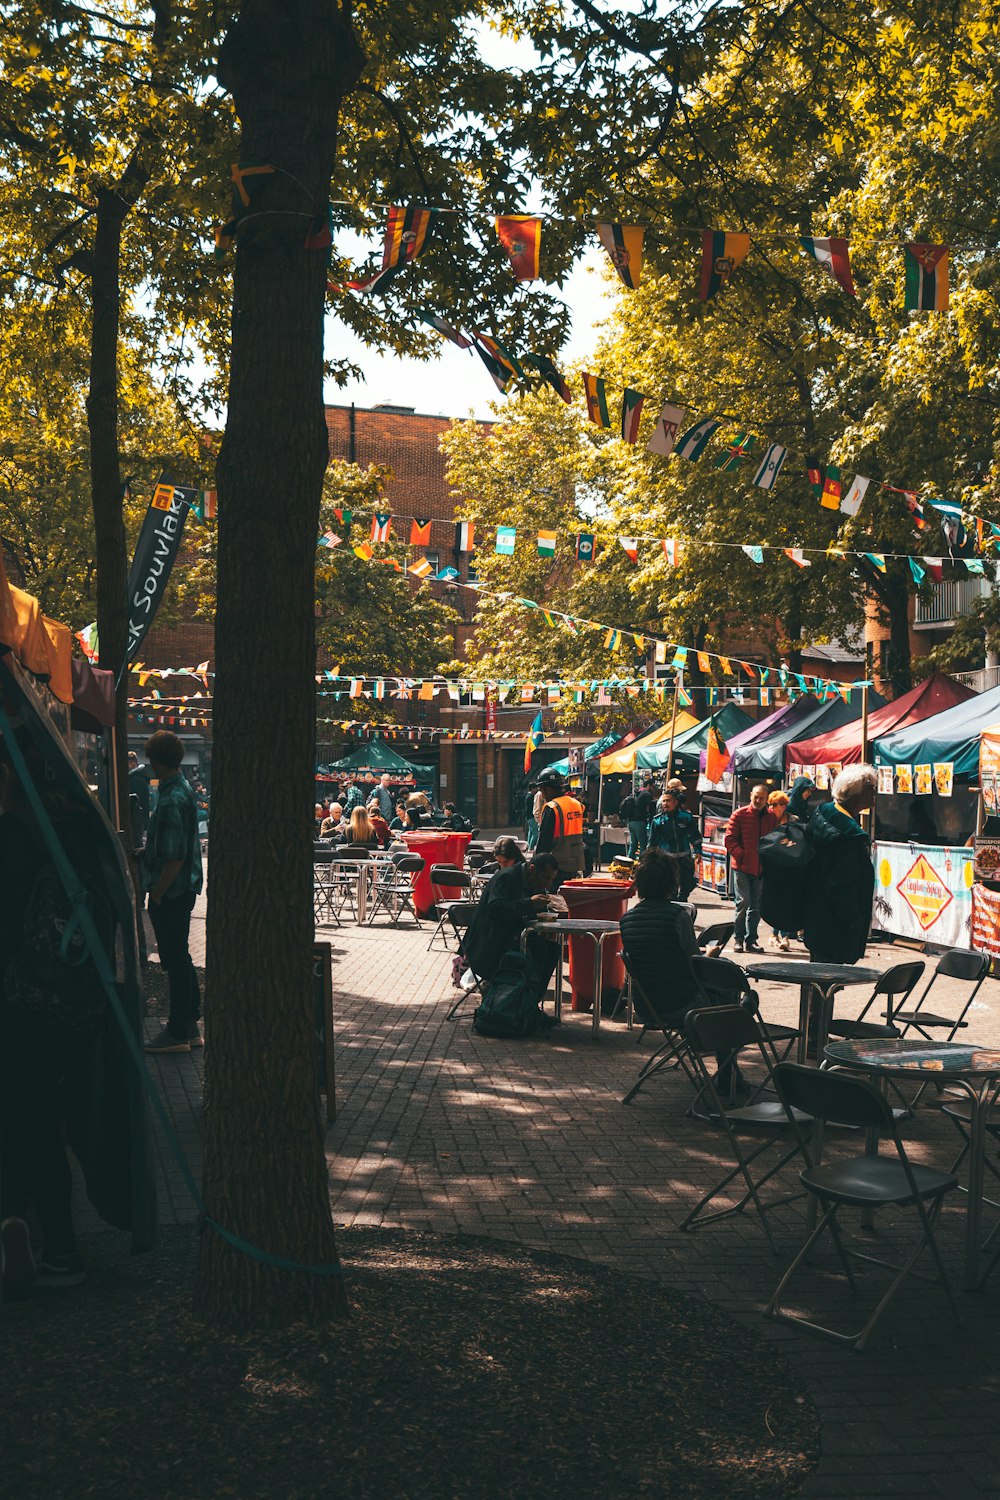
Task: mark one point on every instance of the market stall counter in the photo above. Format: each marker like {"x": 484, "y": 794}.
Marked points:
{"x": 436, "y": 846}
{"x": 601, "y": 899}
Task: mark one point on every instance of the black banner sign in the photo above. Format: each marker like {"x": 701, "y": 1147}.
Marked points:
{"x": 155, "y": 551}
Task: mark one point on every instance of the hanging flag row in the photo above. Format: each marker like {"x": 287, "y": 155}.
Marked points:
{"x": 925, "y": 265}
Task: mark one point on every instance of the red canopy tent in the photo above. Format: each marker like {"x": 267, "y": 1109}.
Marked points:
{"x": 843, "y": 745}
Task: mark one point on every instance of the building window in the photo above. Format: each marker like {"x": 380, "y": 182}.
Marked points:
{"x": 434, "y": 558}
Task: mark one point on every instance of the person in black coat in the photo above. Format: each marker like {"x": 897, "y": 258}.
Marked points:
{"x": 840, "y": 879}
{"x": 514, "y": 897}
{"x": 659, "y": 941}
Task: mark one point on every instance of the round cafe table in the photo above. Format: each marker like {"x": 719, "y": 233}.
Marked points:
{"x": 975, "y": 1070}
{"x": 598, "y": 930}
{"x": 818, "y": 983}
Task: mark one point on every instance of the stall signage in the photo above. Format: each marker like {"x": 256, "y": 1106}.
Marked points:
{"x": 924, "y": 892}
{"x": 986, "y": 921}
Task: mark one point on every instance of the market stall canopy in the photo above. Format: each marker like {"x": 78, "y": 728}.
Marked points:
{"x": 767, "y": 757}
{"x": 989, "y": 750}
{"x": 789, "y": 715}
{"x": 603, "y": 746}
{"x": 730, "y": 719}
{"x": 376, "y": 759}
{"x": 93, "y": 698}
{"x": 950, "y": 736}
{"x": 622, "y": 762}
{"x": 843, "y": 745}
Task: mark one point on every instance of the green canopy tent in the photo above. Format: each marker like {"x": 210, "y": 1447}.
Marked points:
{"x": 593, "y": 752}
{"x": 730, "y": 719}
{"x": 375, "y": 758}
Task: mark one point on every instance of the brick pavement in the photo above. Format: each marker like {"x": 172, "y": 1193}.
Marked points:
{"x": 528, "y": 1141}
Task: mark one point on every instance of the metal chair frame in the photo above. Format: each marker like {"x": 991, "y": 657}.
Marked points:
{"x": 726, "y": 975}
{"x": 899, "y": 980}
{"x": 324, "y": 887}
{"x": 672, "y": 1052}
{"x": 447, "y": 877}
{"x": 865, "y": 1183}
{"x": 727, "y": 1031}
{"x": 393, "y": 889}
{"x": 459, "y": 915}
{"x": 958, "y": 963}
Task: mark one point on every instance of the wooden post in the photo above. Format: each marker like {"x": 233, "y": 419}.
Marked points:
{"x": 600, "y": 803}
{"x": 673, "y": 725}
{"x": 868, "y": 817}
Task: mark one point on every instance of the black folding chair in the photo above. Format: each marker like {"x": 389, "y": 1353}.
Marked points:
{"x": 714, "y": 938}
{"x": 450, "y": 884}
{"x": 958, "y": 963}
{"x": 393, "y": 890}
{"x": 672, "y": 1052}
{"x": 324, "y": 887}
{"x": 720, "y": 976}
{"x": 863, "y": 1182}
{"x": 894, "y": 986}
{"x": 459, "y": 915}
{"x": 727, "y": 1032}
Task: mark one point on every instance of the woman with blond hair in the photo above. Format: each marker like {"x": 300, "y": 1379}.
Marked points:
{"x": 361, "y": 833}
{"x": 777, "y": 806}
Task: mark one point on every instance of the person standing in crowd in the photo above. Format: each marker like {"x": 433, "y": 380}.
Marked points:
{"x": 800, "y": 806}
{"x": 530, "y": 824}
{"x": 744, "y": 831}
{"x": 780, "y": 884}
{"x": 645, "y": 807}
{"x": 537, "y": 808}
{"x": 841, "y": 877}
{"x": 454, "y": 820}
{"x": 351, "y": 796}
{"x": 383, "y": 796}
{"x": 172, "y": 876}
{"x": 139, "y": 800}
{"x": 675, "y": 831}
{"x": 628, "y": 818}
{"x": 560, "y": 830}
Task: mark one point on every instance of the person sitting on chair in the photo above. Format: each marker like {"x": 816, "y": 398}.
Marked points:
{"x": 361, "y": 831}
{"x": 453, "y": 819}
{"x": 507, "y": 852}
{"x": 514, "y": 897}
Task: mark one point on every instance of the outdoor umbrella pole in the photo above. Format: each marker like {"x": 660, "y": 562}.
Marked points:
{"x": 673, "y": 727}
{"x": 600, "y": 803}
{"x": 864, "y": 739}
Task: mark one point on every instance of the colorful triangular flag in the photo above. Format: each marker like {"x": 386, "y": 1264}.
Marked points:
{"x": 623, "y": 242}
{"x": 721, "y": 253}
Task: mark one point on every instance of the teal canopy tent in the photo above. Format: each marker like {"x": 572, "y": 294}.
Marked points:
{"x": 376, "y": 758}
{"x": 730, "y": 719}
{"x": 949, "y": 736}
{"x": 593, "y": 752}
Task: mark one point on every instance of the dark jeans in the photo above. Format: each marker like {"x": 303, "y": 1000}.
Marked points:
{"x": 748, "y": 893}
{"x": 638, "y": 838}
{"x": 34, "y": 1169}
{"x": 172, "y": 923}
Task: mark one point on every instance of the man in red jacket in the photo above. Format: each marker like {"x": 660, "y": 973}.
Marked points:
{"x": 744, "y": 832}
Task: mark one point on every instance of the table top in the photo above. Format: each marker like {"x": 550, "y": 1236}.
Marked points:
{"x": 803, "y": 972}
{"x": 596, "y": 926}
{"x": 908, "y": 1055}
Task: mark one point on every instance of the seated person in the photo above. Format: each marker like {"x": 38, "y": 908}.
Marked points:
{"x": 507, "y": 852}
{"x": 453, "y": 819}
{"x": 414, "y": 814}
{"x": 399, "y": 821}
{"x": 514, "y": 897}
{"x": 658, "y": 940}
{"x": 332, "y": 826}
{"x": 361, "y": 833}
{"x": 379, "y": 826}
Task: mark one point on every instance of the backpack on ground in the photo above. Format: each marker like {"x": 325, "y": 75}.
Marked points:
{"x": 510, "y": 1005}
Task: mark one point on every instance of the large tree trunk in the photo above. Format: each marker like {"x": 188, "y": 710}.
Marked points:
{"x": 110, "y": 553}
{"x": 287, "y": 67}
{"x": 899, "y": 634}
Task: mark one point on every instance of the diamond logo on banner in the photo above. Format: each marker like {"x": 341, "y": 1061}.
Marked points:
{"x": 924, "y": 892}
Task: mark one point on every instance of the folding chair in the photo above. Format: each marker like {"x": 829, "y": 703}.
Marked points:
{"x": 475, "y": 859}
{"x": 393, "y": 890}
{"x": 324, "y": 888}
{"x": 959, "y": 963}
{"x": 723, "y": 977}
{"x": 713, "y": 939}
{"x": 895, "y": 982}
{"x": 672, "y": 1052}
{"x": 727, "y": 1031}
{"x": 459, "y": 915}
{"x": 862, "y": 1182}
{"x": 444, "y": 879}
{"x": 344, "y": 881}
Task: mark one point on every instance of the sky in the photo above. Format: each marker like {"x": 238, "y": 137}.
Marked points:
{"x": 457, "y": 382}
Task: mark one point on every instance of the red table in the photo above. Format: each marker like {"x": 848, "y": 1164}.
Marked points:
{"x": 436, "y": 846}
{"x": 604, "y": 900}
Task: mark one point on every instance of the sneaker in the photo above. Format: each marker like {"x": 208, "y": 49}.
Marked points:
{"x": 195, "y": 1037}
{"x": 783, "y": 944}
{"x": 165, "y": 1041}
{"x": 17, "y": 1260}
{"x": 57, "y": 1271}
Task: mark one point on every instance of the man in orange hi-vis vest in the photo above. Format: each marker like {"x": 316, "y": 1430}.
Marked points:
{"x": 560, "y": 831}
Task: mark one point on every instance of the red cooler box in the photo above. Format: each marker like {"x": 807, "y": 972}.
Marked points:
{"x": 436, "y": 846}
{"x": 607, "y": 900}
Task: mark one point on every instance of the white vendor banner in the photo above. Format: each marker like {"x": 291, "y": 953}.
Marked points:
{"x": 924, "y": 891}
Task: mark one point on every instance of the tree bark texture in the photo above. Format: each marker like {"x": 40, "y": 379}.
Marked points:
{"x": 287, "y": 67}
{"x": 110, "y": 547}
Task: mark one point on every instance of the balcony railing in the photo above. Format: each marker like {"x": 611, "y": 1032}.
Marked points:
{"x": 948, "y": 602}
{"x": 981, "y": 681}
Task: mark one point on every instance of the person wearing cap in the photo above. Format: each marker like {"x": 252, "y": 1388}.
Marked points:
{"x": 560, "y": 828}
{"x": 675, "y": 831}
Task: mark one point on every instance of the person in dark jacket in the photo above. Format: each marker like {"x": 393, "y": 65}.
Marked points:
{"x": 841, "y": 877}
{"x": 782, "y": 901}
{"x": 675, "y": 831}
{"x": 800, "y": 806}
{"x": 514, "y": 897}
